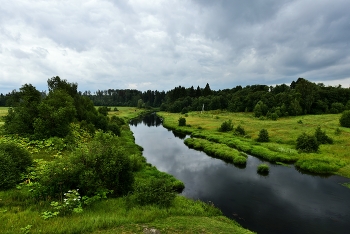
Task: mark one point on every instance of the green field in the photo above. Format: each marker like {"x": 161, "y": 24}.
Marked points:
{"x": 330, "y": 158}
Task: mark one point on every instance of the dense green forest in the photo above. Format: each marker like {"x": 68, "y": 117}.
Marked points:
{"x": 299, "y": 98}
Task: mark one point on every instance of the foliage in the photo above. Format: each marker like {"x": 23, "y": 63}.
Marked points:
{"x": 114, "y": 128}
{"x": 263, "y": 168}
{"x": 239, "y": 130}
{"x": 226, "y": 126}
{"x": 14, "y": 160}
{"x": 56, "y": 112}
{"x": 156, "y": 191}
{"x": 21, "y": 116}
{"x": 307, "y": 143}
{"x": 321, "y": 136}
{"x": 101, "y": 165}
{"x": 240, "y": 160}
{"x": 182, "y": 121}
{"x": 103, "y": 110}
{"x": 345, "y": 119}
{"x": 263, "y": 136}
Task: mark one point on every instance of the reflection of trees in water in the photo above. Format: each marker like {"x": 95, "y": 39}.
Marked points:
{"x": 151, "y": 120}
{"x": 179, "y": 135}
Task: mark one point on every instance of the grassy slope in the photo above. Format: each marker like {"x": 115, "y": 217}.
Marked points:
{"x": 283, "y": 134}
{"x": 19, "y": 214}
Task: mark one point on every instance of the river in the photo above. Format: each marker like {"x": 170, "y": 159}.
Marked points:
{"x": 284, "y": 201}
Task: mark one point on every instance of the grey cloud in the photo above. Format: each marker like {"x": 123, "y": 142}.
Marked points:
{"x": 164, "y": 44}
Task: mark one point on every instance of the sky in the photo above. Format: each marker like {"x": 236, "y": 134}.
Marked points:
{"x": 161, "y": 44}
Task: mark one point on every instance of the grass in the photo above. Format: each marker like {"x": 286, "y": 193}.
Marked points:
{"x": 19, "y": 213}
{"x": 263, "y": 168}
{"x": 3, "y": 112}
{"x": 330, "y": 159}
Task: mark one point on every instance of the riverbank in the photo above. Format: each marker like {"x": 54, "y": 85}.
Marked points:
{"x": 20, "y": 213}
{"x": 330, "y": 158}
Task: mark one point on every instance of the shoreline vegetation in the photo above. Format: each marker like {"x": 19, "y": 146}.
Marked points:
{"x": 153, "y": 205}
{"x": 205, "y": 133}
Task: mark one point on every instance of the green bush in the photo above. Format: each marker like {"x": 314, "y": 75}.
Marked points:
{"x": 114, "y": 128}
{"x": 182, "y": 121}
{"x": 117, "y": 120}
{"x": 101, "y": 165}
{"x": 155, "y": 192}
{"x": 263, "y": 136}
{"x": 321, "y": 136}
{"x": 263, "y": 168}
{"x": 345, "y": 119}
{"x": 240, "y": 131}
{"x": 184, "y": 110}
{"x": 307, "y": 143}
{"x": 226, "y": 126}
{"x": 14, "y": 160}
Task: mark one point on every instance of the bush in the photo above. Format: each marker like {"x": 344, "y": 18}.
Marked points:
{"x": 156, "y": 191}
{"x": 307, "y": 143}
{"x": 263, "y": 136}
{"x": 345, "y": 119}
{"x": 240, "y": 131}
{"x": 226, "y": 126}
{"x": 184, "y": 110}
{"x": 321, "y": 136}
{"x": 102, "y": 165}
{"x": 14, "y": 160}
{"x": 182, "y": 121}
{"x": 263, "y": 169}
{"x": 114, "y": 128}
{"x": 117, "y": 120}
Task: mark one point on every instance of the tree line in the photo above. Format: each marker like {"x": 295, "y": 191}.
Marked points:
{"x": 299, "y": 98}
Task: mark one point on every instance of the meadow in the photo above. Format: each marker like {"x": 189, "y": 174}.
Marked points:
{"x": 329, "y": 159}
{"x": 21, "y": 212}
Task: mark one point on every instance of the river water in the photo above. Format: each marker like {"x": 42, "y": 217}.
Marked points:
{"x": 284, "y": 201}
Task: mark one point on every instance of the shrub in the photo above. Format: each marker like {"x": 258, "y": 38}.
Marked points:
{"x": 156, "y": 191}
{"x": 263, "y": 168}
{"x": 240, "y": 131}
{"x": 114, "y": 128}
{"x": 321, "y": 136}
{"x": 101, "y": 165}
{"x": 345, "y": 119}
{"x": 117, "y": 120}
{"x": 184, "y": 110}
{"x": 274, "y": 116}
{"x": 104, "y": 110}
{"x": 226, "y": 126}
{"x": 263, "y": 136}
{"x": 307, "y": 143}
{"x": 14, "y": 160}
{"x": 182, "y": 121}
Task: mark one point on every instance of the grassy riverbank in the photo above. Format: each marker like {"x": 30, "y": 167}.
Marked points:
{"x": 330, "y": 158}
{"x": 21, "y": 212}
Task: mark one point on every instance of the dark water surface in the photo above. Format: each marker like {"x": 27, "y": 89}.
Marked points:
{"x": 285, "y": 201}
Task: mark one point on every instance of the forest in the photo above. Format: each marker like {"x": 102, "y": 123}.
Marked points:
{"x": 301, "y": 97}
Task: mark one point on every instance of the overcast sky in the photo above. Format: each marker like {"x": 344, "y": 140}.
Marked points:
{"x": 151, "y": 44}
